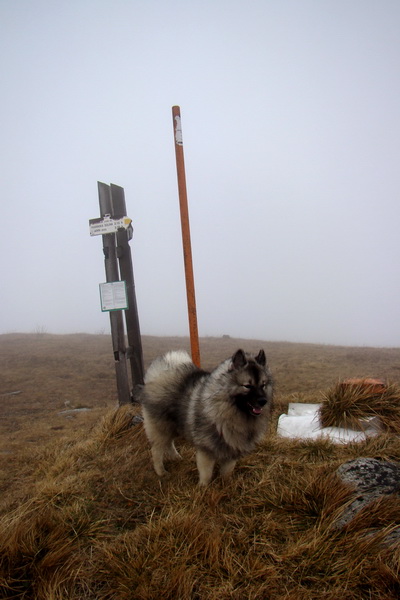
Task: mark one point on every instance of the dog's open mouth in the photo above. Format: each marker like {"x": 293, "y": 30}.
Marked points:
{"x": 254, "y": 410}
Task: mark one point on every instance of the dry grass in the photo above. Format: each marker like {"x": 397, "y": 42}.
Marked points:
{"x": 351, "y": 406}
{"x": 85, "y": 517}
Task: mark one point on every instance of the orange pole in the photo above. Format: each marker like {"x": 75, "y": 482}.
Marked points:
{"x": 187, "y": 247}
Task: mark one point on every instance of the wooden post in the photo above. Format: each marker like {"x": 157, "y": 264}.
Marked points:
{"x": 187, "y": 248}
{"x": 134, "y": 350}
{"x": 116, "y": 318}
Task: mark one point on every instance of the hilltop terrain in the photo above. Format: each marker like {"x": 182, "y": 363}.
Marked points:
{"x": 85, "y": 517}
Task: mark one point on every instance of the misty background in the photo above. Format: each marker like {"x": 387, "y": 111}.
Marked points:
{"x": 291, "y": 131}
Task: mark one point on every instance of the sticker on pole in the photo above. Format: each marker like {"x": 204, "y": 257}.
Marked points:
{"x": 178, "y": 131}
{"x": 106, "y": 224}
{"x": 113, "y": 296}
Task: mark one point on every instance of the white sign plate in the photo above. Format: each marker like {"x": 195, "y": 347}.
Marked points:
{"x": 105, "y": 225}
{"x": 113, "y": 296}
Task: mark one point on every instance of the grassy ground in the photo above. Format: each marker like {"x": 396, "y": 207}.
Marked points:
{"x": 83, "y": 516}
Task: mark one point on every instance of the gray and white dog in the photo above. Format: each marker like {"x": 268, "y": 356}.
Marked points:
{"x": 223, "y": 413}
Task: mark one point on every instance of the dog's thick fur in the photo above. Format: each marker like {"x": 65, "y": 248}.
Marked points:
{"x": 223, "y": 413}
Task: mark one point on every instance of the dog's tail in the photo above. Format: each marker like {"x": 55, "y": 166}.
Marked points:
{"x": 171, "y": 360}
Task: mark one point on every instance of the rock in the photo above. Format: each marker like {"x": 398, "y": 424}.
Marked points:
{"x": 137, "y": 419}
{"x": 370, "y": 478}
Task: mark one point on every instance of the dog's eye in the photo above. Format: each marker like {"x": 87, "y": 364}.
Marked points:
{"x": 247, "y": 386}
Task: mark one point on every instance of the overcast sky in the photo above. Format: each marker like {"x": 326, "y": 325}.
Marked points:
{"x": 291, "y": 130}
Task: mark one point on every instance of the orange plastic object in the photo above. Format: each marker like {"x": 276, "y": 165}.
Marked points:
{"x": 370, "y": 384}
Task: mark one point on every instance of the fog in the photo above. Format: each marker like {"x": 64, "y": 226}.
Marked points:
{"x": 291, "y": 131}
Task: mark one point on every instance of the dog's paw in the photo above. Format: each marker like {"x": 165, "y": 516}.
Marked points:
{"x": 161, "y": 471}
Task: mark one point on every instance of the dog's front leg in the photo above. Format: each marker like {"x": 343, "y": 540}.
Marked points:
{"x": 226, "y": 468}
{"x": 205, "y": 466}
{"x": 157, "y": 452}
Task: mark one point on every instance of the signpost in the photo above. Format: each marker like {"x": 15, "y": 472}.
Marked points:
{"x": 187, "y": 247}
{"x": 123, "y": 235}
{"x": 117, "y": 295}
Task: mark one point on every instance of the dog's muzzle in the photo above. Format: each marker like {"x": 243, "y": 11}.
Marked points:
{"x": 256, "y": 407}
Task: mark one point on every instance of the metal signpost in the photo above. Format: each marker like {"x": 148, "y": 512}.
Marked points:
{"x": 118, "y": 293}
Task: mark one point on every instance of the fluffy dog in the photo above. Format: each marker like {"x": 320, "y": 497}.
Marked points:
{"x": 223, "y": 413}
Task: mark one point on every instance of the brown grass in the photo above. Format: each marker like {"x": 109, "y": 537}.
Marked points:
{"x": 350, "y": 406}
{"x": 85, "y": 517}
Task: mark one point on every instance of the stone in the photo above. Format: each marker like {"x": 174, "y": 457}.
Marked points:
{"x": 370, "y": 478}
{"x": 137, "y": 419}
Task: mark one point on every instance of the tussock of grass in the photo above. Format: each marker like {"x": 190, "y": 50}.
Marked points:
{"x": 40, "y": 545}
{"x": 350, "y": 405}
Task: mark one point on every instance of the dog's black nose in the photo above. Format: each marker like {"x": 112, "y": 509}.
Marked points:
{"x": 261, "y": 402}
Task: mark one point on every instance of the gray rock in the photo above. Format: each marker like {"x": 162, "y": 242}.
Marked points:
{"x": 370, "y": 478}
{"x": 372, "y": 475}
{"x": 137, "y": 419}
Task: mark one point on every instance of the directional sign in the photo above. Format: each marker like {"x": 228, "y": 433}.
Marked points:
{"x": 106, "y": 224}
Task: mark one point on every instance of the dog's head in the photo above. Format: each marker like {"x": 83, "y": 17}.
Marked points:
{"x": 253, "y": 386}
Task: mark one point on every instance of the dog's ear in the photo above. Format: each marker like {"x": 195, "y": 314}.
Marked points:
{"x": 261, "y": 359}
{"x": 238, "y": 359}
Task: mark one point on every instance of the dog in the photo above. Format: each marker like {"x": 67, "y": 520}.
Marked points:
{"x": 223, "y": 413}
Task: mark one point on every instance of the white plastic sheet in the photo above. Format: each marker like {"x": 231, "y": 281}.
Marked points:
{"x": 302, "y": 422}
